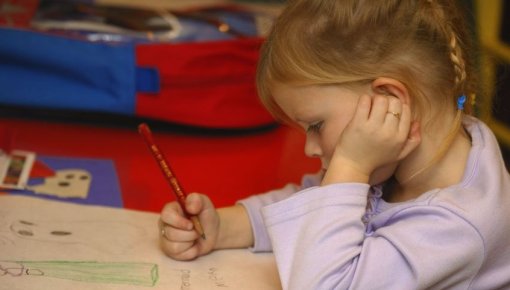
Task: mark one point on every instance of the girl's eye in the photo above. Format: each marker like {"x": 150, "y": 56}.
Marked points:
{"x": 315, "y": 128}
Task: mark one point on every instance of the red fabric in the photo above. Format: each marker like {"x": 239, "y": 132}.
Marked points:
{"x": 17, "y": 13}
{"x": 6, "y": 138}
{"x": 226, "y": 168}
{"x": 209, "y": 84}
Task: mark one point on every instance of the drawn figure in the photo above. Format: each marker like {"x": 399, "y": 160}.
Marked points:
{"x": 65, "y": 183}
{"x": 5, "y": 236}
{"x": 139, "y": 274}
{"x": 101, "y": 235}
{"x": 4, "y": 240}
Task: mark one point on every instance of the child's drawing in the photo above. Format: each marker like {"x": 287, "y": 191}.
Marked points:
{"x": 139, "y": 274}
{"x": 102, "y": 235}
{"x": 48, "y": 244}
{"x": 5, "y": 237}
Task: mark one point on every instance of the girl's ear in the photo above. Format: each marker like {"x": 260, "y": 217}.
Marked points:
{"x": 393, "y": 87}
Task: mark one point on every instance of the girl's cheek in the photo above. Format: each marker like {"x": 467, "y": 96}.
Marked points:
{"x": 329, "y": 149}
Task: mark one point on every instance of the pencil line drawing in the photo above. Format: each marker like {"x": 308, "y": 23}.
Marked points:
{"x": 4, "y": 231}
{"x": 214, "y": 276}
{"x": 4, "y": 239}
{"x": 106, "y": 238}
{"x": 138, "y": 274}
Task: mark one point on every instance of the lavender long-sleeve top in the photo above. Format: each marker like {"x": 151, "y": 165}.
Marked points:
{"x": 345, "y": 236}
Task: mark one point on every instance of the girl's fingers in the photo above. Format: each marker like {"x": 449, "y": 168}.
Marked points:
{"x": 173, "y": 215}
{"x": 179, "y": 251}
{"x": 195, "y": 203}
{"x": 394, "y": 111}
{"x": 189, "y": 254}
{"x": 405, "y": 121}
{"x": 363, "y": 110}
{"x": 179, "y": 239}
{"x": 380, "y": 108}
{"x": 177, "y": 235}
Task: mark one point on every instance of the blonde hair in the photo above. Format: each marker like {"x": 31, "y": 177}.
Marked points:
{"x": 425, "y": 44}
{"x": 422, "y": 43}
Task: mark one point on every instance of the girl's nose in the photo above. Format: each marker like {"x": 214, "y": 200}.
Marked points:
{"x": 312, "y": 147}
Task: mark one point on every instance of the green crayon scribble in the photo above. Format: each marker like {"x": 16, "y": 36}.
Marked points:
{"x": 139, "y": 274}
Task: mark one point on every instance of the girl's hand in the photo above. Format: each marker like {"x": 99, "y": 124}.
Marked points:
{"x": 179, "y": 240}
{"x": 376, "y": 136}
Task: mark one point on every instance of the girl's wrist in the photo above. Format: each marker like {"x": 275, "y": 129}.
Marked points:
{"x": 234, "y": 230}
{"x": 341, "y": 170}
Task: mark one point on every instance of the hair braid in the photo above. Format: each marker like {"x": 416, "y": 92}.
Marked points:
{"x": 458, "y": 61}
{"x": 444, "y": 27}
{"x": 446, "y": 30}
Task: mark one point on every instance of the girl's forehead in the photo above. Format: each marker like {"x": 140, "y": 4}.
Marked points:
{"x": 310, "y": 93}
{"x": 305, "y": 100}
{"x": 293, "y": 97}
{"x": 283, "y": 91}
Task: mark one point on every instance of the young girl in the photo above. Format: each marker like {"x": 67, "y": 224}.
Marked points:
{"x": 413, "y": 193}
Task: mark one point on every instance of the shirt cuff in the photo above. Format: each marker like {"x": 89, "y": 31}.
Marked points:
{"x": 313, "y": 198}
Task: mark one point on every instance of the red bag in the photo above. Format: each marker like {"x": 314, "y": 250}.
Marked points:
{"x": 209, "y": 84}
{"x": 197, "y": 82}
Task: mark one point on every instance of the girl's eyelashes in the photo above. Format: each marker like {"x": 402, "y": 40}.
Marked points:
{"x": 315, "y": 128}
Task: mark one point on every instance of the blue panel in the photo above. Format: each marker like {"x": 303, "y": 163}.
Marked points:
{"x": 47, "y": 71}
{"x": 147, "y": 80}
{"x": 104, "y": 185}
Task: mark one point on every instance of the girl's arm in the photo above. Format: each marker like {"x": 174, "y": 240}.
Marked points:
{"x": 255, "y": 203}
{"x": 239, "y": 226}
{"x": 320, "y": 242}
{"x": 234, "y": 229}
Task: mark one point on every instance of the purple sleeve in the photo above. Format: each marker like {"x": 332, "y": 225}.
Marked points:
{"x": 320, "y": 242}
{"x": 255, "y": 203}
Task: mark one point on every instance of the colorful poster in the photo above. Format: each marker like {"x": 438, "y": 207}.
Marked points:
{"x": 78, "y": 180}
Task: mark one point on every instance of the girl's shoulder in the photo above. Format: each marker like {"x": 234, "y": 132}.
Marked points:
{"x": 484, "y": 211}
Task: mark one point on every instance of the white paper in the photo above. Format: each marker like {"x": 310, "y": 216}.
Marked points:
{"x": 56, "y": 245}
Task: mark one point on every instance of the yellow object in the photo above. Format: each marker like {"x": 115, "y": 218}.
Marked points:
{"x": 492, "y": 51}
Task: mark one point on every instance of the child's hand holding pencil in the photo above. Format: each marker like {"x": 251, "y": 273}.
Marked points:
{"x": 185, "y": 223}
{"x": 179, "y": 239}
{"x": 182, "y": 233}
